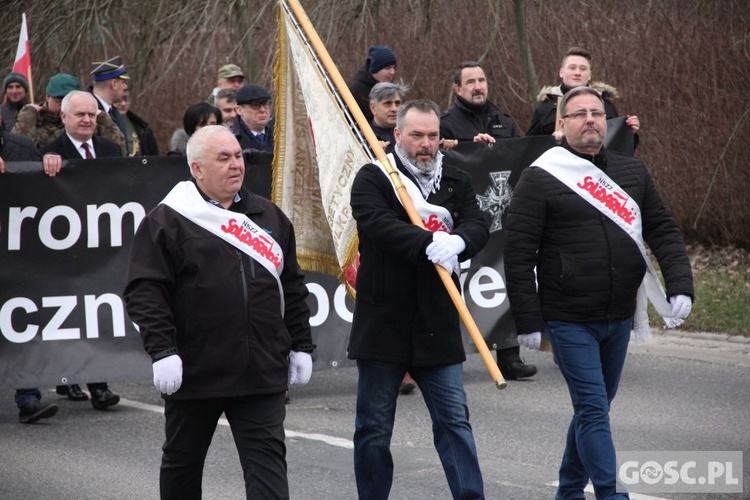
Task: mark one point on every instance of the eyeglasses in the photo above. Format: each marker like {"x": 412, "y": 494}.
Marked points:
{"x": 596, "y": 114}
{"x": 259, "y": 104}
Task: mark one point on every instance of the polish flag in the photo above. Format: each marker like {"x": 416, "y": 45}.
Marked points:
{"x": 23, "y": 57}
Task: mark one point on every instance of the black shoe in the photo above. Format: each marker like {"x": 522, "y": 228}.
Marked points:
{"x": 73, "y": 392}
{"x": 517, "y": 369}
{"x": 31, "y": 412}
{"x": 103, "y": 398}
{"x": 407, "y": 385}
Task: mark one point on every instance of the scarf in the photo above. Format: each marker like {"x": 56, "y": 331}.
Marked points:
{"x": 427, "y": 180}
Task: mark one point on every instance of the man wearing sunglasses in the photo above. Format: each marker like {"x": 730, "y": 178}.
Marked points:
{"x": 253, "y": 125}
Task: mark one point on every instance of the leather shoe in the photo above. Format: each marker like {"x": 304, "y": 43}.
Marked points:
{"x": 73, "y": 392}
{"x": 31, "y": 412}
{"x": 517, "y": 369}
{"x": 103, "y": 398}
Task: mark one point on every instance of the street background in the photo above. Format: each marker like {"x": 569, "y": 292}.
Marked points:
{"x": 681, "y": 392}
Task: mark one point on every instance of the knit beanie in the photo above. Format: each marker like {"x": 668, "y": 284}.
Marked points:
{"x": 15, "y": 78}
{"x": 381, "y": 56}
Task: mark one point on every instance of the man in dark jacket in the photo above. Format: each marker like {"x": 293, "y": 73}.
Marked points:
{"x": 575, "y": 70}
{"x": 380, "y": 66}
{"x": 16, "y": 90}
{"x": 253, "y": 125}
{"x": 473, "y": 117}
{"x": 78, "y": 114}
{"x": 214, "y": 286}
{"x": 140, "y": 137}
{"x": 574, "y": 262}
{"x": 404, "y": 319}
{"x": 14, "y": 147}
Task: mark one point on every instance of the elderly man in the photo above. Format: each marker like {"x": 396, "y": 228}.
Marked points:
{"x": 404, "y": 319}
{"x": 214, "y": 286}
{"x": 574, "y": 262}
{"x": 78, "y": 113}
{"x": 253, "y": 125}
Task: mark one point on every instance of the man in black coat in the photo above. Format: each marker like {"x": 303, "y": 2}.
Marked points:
{"x": 575, "y": 260}
{"x": 380, "y": 66}
{"x": 404, "y": 319}
{"x": 473, "y": 117}
{"x": 253, "y": 125}
{"x": 214, "y": 286}
{"x": 78, "y": 114}
{"x": 15, "y": 147}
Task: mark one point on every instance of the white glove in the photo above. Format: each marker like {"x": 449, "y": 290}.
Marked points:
{"x": 444, "y": 247}
{"x": 300, "y": 367}
{"x": 530, "y": 340}
{"x": 681, "y": 306}
{"x": 452, "y": 265}
{"x": 168, "y": 374}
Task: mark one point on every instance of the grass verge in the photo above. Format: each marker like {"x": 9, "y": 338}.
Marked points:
{"x": 722, "y": 291}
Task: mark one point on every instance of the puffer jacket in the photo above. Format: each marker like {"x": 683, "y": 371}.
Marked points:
{"x": 588, "y": 269}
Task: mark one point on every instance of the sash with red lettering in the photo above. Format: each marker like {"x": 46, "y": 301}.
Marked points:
{"x": 593, "y": 185}
{"x": 234, "y": 228}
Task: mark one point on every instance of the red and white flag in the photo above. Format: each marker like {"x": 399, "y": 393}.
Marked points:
{"x": 22, "y": 63}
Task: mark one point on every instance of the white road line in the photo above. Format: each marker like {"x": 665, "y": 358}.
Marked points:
{"x": 330, "y": 440}
{"x": 633, "y": 496}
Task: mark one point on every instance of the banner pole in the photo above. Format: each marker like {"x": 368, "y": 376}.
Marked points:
{"x": 393, "y": 175}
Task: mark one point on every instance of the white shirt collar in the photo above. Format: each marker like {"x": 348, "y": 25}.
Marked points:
{"x": 78, "y": 143}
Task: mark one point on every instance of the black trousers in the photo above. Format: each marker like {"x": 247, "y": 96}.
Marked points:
{"x": 257, "y": 424}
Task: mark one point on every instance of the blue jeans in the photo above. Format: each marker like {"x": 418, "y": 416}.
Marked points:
{"x": 591, "y": 357}
{"x": 25, "y": 396}
{"x": 443, "y": 393}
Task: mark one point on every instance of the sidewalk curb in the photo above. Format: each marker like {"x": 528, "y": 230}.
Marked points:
{"x": 716, "y": 337}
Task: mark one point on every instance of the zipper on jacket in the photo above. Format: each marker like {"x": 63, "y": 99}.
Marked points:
{"x": 246, "y": 300}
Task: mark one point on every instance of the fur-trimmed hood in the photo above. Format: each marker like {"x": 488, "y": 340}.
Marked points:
{"x": 608, "y": 92}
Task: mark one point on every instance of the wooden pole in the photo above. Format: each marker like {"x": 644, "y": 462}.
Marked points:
{"x": 395, "y": 178}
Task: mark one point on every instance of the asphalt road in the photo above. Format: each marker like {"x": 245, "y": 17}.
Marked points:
{"x": 689, "y": 394}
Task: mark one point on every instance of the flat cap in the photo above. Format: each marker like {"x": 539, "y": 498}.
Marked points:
{"x": 250, "y": 93}
{"x": 109, "y": 69}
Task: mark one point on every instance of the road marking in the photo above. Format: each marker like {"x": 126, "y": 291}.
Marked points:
{"x": 633, "y": 496}
{"x": 330, "y": 440}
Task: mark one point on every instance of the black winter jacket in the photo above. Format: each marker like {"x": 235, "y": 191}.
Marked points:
{"x": 360, "y": 88}
{"x": 191, "y": 291}
{"x": 588, "y": 269}
{"x": 403, "y": 313}
{"x": 464, "y": 120}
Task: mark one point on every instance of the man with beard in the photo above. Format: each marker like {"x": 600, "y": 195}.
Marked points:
{"x": 575, "y": 260}
{"x": 404, "y": 319}
{"x": 473, "y": 117}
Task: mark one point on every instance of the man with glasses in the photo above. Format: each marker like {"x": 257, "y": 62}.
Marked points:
{"x": 253, "y": 125}
{"x": 575, "y": 260}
